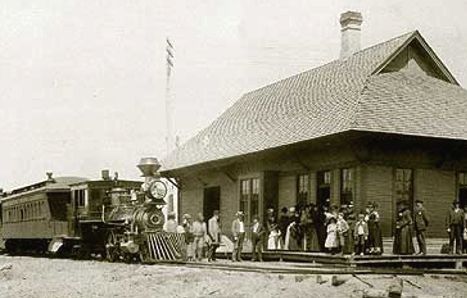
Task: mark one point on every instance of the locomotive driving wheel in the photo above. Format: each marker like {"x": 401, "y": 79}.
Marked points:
{"x": 111, "y": 247}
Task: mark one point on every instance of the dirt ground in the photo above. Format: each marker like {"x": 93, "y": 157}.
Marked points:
{"x": 41, "y": 277}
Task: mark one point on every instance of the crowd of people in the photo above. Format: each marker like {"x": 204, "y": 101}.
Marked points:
{"x": 327, "y": 228}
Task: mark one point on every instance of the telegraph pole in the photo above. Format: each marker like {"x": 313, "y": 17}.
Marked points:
{"x": 169, "y": 139}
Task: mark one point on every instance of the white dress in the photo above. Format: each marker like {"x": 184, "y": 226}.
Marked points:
{"x": 331, "y": 239}
{"x": 274, "y": 240}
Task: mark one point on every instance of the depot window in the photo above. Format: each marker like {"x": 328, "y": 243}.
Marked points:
{"x": 303, "y": 186}
{"x": 249, "y": 198}
{"x": 347, "y": 185}
{"x": 462, "y": 188}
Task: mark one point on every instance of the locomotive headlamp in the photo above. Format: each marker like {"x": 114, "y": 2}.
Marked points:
{"x": 157, "y": 190}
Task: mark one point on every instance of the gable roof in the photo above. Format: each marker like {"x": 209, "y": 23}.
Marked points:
{"x": 312, "y": 104}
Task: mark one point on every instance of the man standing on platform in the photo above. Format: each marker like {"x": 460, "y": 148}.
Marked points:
{"x": 455, "y": 227}
{"x": 238, "y": 234}
{"x": 199, "y": 233}
{"x": 421, "y": 223}
{"x": 214, "y": 233}
{"x": 257, "y": 239}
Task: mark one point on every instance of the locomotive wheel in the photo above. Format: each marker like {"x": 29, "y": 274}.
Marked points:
{"x": 111, "y": 248}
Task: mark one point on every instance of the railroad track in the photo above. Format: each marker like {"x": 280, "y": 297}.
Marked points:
{"x": 300, "y": 268}
{"x": 276, "y": 267}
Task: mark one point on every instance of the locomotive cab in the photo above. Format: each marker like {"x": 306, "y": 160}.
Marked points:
{"x": 92, "y": 205}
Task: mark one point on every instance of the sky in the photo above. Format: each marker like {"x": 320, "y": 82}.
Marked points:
{"x": 82, "y": 83}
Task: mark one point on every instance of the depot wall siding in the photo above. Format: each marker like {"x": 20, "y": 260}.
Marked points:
{"x": 287, "y": 191}
{"x": 192, "y": 196}
{"x": 377, "y": 186}
{"x": 191, "y": 200}
{"x": 335, "y": 193}
{"x": 374, "y": 165}
{"x": 437, "y": 189}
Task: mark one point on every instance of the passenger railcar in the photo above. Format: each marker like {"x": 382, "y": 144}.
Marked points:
{"x": 33, "y": 215}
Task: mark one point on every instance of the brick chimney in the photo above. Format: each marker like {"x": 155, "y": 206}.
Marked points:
{"x": 351, "y": 22}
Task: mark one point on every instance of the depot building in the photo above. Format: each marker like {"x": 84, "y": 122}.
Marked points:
{"x": 382, "y": 124}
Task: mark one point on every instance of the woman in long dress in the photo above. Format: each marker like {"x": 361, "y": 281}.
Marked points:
{"x": 311, "y": 241}
{"x": 403, "y": 243}
{"x": 293, "y": 234}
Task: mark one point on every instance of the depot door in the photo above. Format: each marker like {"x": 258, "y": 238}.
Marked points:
{"x": 462, "y": 189}
{"x": 211, "y": 201}
{"x": 323, "y": 192}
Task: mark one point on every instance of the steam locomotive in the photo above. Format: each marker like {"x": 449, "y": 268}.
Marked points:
{"x": 120, "y": 220}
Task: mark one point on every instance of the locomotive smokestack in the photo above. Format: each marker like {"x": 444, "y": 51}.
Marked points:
{"x": 148, "y": 166}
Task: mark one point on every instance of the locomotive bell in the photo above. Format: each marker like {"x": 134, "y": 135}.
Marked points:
{"x": 149, "y": 166}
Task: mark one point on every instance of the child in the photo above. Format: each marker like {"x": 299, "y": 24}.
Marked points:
{"x": 343, "y": 232}
{"x": 332, "y": 240}
{"x": 361, "y": 234}
{"x": 274, "y": 238}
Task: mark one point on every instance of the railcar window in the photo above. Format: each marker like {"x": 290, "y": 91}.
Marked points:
{"x": 79, "y": 197}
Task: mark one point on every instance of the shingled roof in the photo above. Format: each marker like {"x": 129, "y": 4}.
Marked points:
{"x": 336, "y": 97}
{"x": 412, "y": 104}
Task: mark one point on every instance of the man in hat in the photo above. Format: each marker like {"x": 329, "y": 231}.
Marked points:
{"x": 214, "y": 232}
{"x": 421, "y": 223}
{"x": 455, "y": 226}
{"x": 238, "y": 234}
{"x": 257, "y": 239}
{"x": 375, "y": 239}
{"x": 199, "y": 233}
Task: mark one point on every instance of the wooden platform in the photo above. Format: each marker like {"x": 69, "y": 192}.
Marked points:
{"x": 435, "y": 261}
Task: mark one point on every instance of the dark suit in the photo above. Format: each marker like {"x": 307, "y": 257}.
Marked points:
{"x": 455, "y": 225}
{"x": 257, "y": 239}
{"x": 421, "y": 223}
